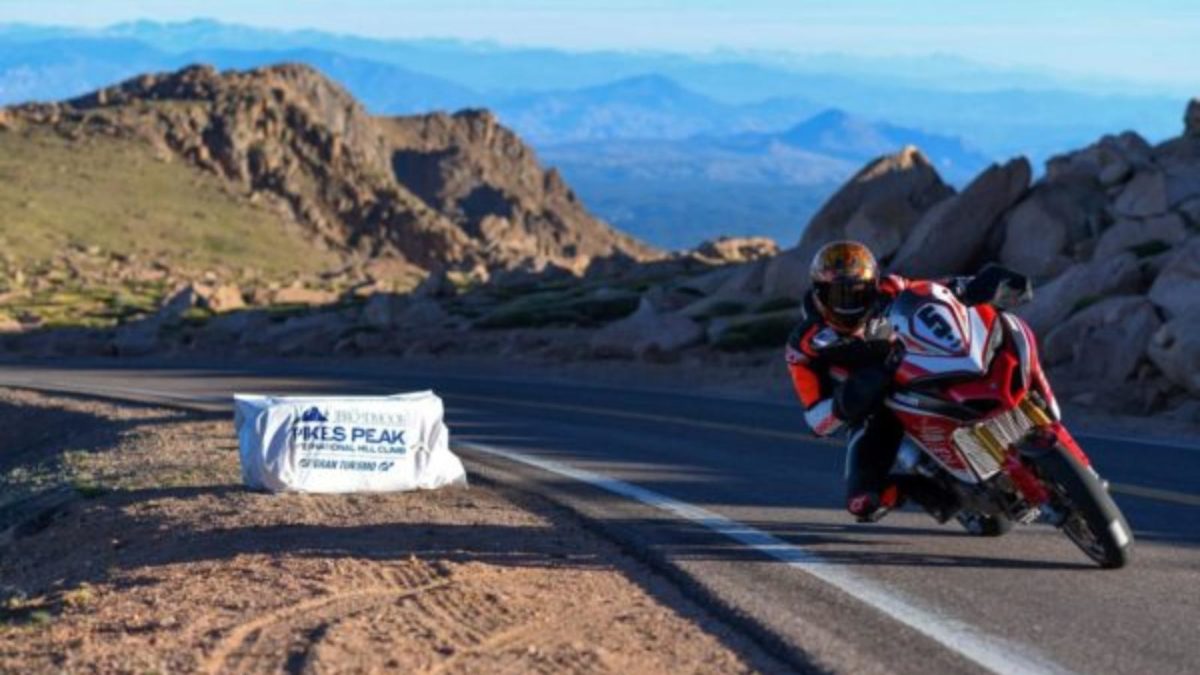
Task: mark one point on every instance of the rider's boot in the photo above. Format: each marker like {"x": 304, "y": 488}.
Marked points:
{"x": 870, "y": 507}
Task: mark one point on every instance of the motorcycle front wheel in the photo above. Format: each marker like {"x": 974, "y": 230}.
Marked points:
{"x": 1094, "y": 522}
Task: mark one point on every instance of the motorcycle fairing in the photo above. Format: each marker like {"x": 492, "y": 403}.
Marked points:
{"x": 942, "y": 337}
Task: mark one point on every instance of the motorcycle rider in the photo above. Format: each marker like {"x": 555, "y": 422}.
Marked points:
{"x": 841, "y": 356}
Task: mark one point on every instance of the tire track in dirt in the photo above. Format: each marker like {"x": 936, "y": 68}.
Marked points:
{"x": 254, "y": 646}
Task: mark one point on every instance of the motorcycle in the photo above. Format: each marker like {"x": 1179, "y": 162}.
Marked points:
{"x": 981, "y": 420}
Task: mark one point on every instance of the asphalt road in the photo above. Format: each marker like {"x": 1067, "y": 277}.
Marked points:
{"x": 736, "y": 499}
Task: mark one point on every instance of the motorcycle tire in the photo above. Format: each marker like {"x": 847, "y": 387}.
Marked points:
{"x": 979, "y": 525}
{"x": 1094, "y": 522}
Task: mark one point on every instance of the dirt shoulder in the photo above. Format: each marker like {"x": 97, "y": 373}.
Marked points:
{"x": 128, "y": 545}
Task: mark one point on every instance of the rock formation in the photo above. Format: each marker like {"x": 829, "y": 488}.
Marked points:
{"x": 437, "y": 191}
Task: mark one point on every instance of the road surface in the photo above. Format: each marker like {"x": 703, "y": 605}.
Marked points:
{"x": 743, "y": 506}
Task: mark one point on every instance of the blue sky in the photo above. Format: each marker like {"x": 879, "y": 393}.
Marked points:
{"x": 1156, "y": 42}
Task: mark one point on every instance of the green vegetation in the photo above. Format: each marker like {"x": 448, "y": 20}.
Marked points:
{"x": 557, "y": 308}
{"x": 115, "y": 194}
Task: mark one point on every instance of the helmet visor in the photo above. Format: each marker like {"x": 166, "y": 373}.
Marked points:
{"x": 846, "y": 303}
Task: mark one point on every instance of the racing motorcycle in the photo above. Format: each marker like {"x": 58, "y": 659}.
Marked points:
{"x": 981, "y": 420}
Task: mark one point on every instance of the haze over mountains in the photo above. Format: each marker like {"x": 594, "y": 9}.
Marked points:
{"x": 673, "y": 148}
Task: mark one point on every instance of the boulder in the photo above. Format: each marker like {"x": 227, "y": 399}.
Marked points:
{"x": 436, "y": 285}
{"x": 738, "y": 249}
{"x": 1190, "y": 210}
{"x": 1175, "y": 349}
{"x": 646, "y": 333}
{"x": 1034, "y": 239}
{"x": 422, "y": 313}
{"x": 1191, "y": 119}
{"x": 1182, "y": 180}
{"x": 1115, "y": 173}
{"x": 709, "y": 282}
{"x": 1081, "y": 285}
{"x": 10, "y": 325}
{"x": 233, "y": 326}
{"x": 720, "y": 305}
{"x": 948, "y": 240}
{"x": 179, "y": 303}
{"x": 1177, "y": 288}
{"x": 1143, "y": 196}
{"x": 307, "y": 334}
{"x": 1104, "y": 341}
{"x": 223, "y": 298}
{"x": 299, "y": 295}
{"x": 1109, "y": 160}
{"x": 381, "y": 310}
{"x": 746, "y": 278}
{"x": 882, "y": 202}
{"x": 137, "y": 338}
{"x": 1141, "y": 237}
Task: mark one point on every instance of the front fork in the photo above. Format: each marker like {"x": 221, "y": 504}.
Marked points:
{"x": 1049, "y": 438}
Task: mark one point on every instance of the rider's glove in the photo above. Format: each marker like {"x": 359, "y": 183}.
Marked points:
{"x": 863, "y": 390}
{"x": 998, "y": 286}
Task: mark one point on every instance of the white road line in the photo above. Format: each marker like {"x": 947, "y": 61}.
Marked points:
{"x": 993, "y": 653}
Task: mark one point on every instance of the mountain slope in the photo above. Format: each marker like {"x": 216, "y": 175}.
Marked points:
{"x": 434, "y": 191}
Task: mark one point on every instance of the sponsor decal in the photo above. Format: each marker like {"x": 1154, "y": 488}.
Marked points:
{"x": 936, "y": 325}
{"x": 314, "y": 414}
{"x": 347, "y": 440}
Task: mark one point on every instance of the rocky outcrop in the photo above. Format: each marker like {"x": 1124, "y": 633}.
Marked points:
{"x": 726, "y": 250}
{"x": 879, "y": 206}
{"x": 1177, "y": 288}
{"x": 1106, "y": 341}
{"x": 1160, "y": 233}
{"x": 1080, "y": 286}
{"x": 950, "y": 239}
{"x": 1191, "y": 119}
{"x": 1043, "y": 234}
{"x": 1175, "y": 349}
{"x": 435, "y": 190}
{"x": 647, "y": 333}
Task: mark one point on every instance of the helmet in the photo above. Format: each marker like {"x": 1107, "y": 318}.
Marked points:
{"x": 845, "y": 281}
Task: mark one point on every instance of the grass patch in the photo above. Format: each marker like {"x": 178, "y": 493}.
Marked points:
{"x": 88, "y": 488}
{"x": 114, "y": 194}
{"x": 544, "y": 310}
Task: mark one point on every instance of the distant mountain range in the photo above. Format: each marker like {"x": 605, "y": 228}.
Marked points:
{"x": 679, "y": 129}
{"x": 677, "y": 191}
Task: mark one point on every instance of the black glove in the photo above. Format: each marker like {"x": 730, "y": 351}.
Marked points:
{"x": 855, "y": 398}
{"x": 998, "y": 286}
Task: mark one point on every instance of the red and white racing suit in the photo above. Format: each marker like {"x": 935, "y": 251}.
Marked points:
{"x": 813, "y": 357}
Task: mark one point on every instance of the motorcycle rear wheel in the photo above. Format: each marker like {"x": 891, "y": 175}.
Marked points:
{"x": 1094, "y": 523}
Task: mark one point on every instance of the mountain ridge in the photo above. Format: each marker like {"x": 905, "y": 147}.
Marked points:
{"x": 290, "y": 135}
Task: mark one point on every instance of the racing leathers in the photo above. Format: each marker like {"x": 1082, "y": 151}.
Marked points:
{"x": 841, "y": 379}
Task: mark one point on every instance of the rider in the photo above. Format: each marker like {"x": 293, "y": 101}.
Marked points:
{"x": 841, "y": 356}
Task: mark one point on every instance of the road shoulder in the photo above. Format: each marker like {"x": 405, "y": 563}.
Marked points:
{"x": 152, "y": 557}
